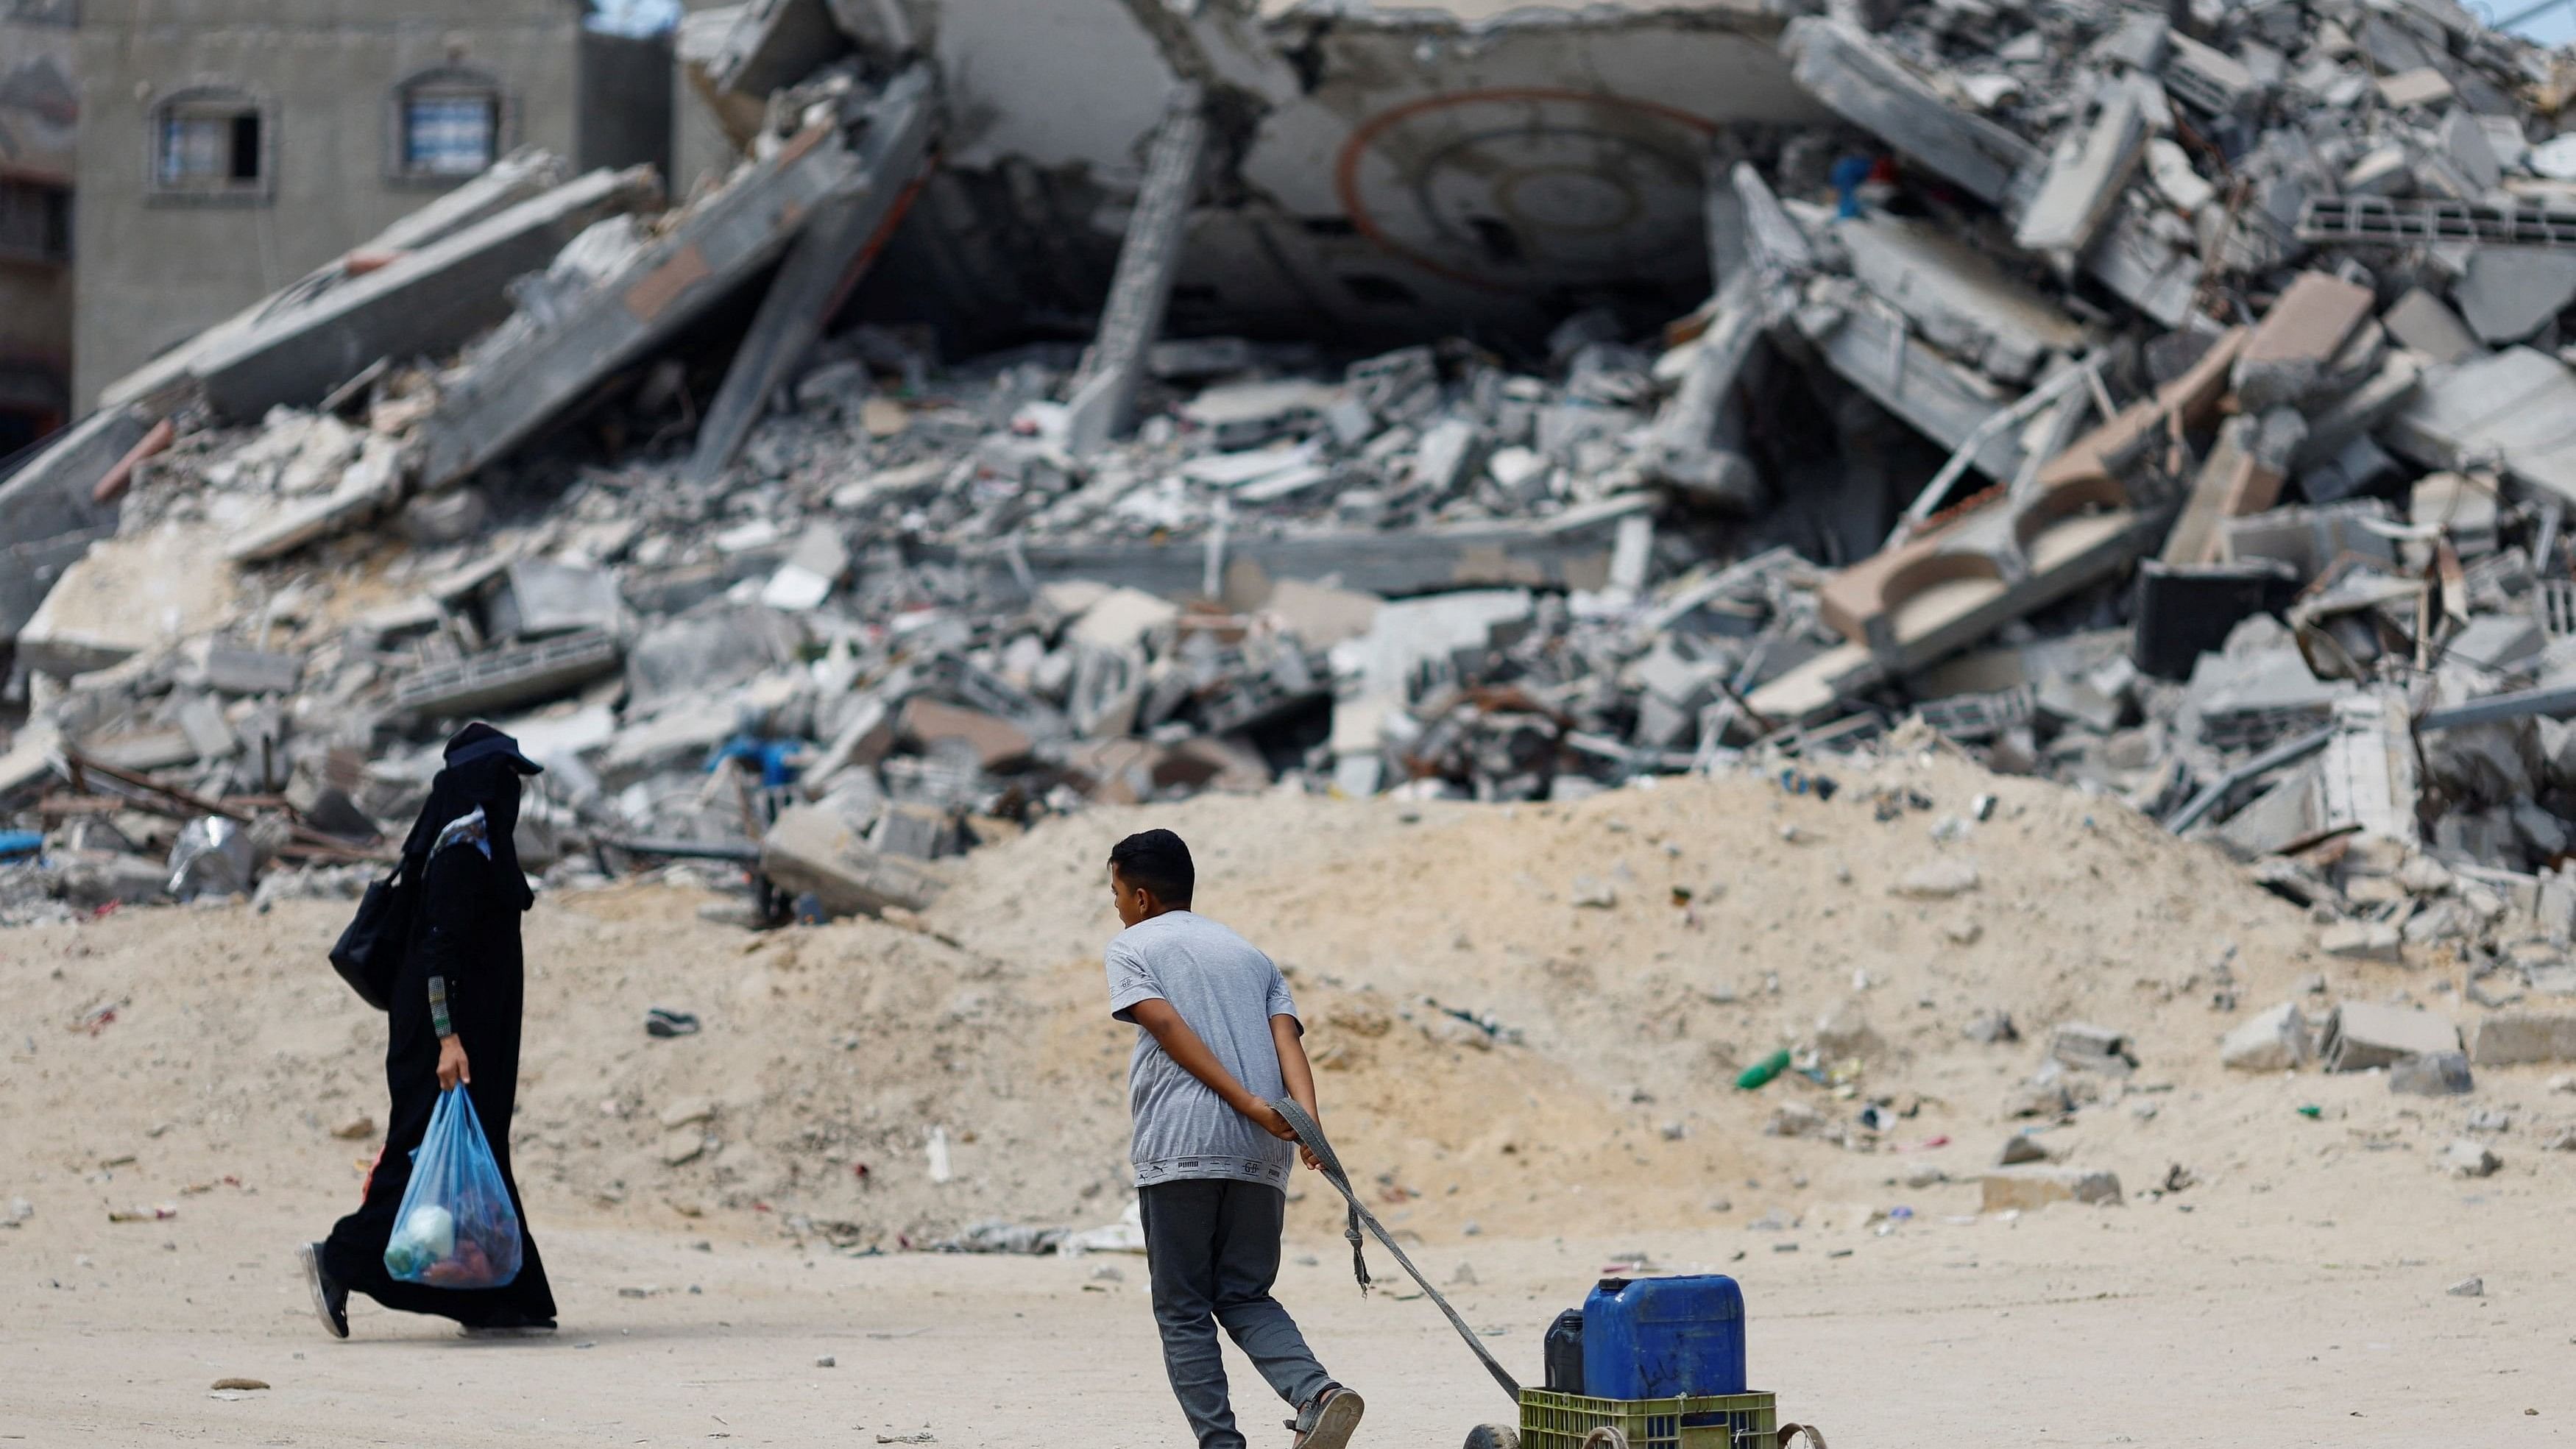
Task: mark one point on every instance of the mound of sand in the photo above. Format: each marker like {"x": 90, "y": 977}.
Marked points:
{"x": 1633, "y": 952}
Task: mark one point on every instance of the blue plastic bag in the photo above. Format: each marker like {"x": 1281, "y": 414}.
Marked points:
{"x": 455, "y": 1228}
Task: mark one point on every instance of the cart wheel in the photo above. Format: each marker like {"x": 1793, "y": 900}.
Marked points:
{"x": 1605, "y": 1437}
{"x": 1791, "y": 1431}
{"x": 1493, "y": 1436}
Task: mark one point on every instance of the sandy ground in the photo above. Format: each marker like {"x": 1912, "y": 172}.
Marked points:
{"x": 2253, "y": 1320}
{"x": 2291, "y": 1293}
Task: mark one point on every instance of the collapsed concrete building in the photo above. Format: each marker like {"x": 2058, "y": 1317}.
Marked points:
{"x": 2169, "y": 403}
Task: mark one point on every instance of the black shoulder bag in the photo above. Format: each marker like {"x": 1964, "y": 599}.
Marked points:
{"x": 370, "y": 952}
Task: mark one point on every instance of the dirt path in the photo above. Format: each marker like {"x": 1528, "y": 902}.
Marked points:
{"x": 2254, "y": 1319}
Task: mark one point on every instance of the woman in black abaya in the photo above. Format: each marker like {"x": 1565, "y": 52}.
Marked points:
{"x": 454, "y": 1018}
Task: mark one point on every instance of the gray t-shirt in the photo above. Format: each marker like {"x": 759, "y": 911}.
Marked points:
{"x": 1227, "y": 991}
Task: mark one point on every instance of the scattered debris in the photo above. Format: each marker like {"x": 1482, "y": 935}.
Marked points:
{"x": 2462, "y": 1157}
{"x": 2028, "y": 1189}
{"x": 2248, "y": 328}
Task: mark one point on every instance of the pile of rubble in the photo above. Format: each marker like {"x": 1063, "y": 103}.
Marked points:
{"x": 2246, "y": 321}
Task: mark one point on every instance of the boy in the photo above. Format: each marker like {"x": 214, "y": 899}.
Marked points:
{"x": 1217, "y": 1039}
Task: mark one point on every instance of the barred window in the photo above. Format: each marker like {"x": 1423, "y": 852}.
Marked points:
{"x": 449, "y": 125}
{"x": 210, "y": 142}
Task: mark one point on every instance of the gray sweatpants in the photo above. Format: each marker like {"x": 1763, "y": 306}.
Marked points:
{"x": 1212, "y": 1247}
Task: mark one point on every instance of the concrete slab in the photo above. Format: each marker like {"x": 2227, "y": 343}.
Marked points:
{"x": 2287, "y": 357}
{"x": 2361, "y": 1035}
{"x": 421, "y": 304}
{"x": 127, "y": 596}
{"x": 808, "y": 848}
{"x": 716, "y": 245}
{"x": 1867, "y": 84}
{"x": 2516, "y": 406}
{"x": 2422, "y": 321}
{"x": 2085, "y": 175}
{"x": 835, "y": 251}
{"x": 2509, "y": 293}
{"x": 2519, "y": 1037}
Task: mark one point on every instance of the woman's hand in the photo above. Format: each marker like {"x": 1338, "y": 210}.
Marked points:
{"x": 452, "y": 1066}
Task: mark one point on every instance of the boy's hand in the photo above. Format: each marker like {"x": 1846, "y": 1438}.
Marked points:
{"x": 1277, "y": 1126}
{"x": 1267, "y": 1118}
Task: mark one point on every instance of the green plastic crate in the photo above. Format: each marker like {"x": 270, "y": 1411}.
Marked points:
{"x": 1551, "y": 1420}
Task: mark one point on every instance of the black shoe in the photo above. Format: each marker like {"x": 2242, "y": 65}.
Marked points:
{"x": 507, "y": 1325}
{"x": 330, "y": 1300}
{"x": 1327, "y": 1420}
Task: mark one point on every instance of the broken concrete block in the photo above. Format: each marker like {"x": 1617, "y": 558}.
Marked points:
{"x": 2208, "y": 79}
{"x": 836, "y": 249}
{"x": 2028, "y": 1189}
{"x": 2423, "y": 86}
{"x": 1102, "y": 397}
{"x": 2085, "y": 176}
{"x": 1865, "y": 82}
{"x": 2516, "y": 406}
{"x": 1943, "y": 590}
{"x": 90, "y": 879}
{"x": 53, "y": 493}
{"x": 706, "y": 651}
{"x": 1122, "y": 619}
{"x": 539, "y": 597}
{"x": 2512, "y": 1039}
{"x": 2285, "y": 360}
{"x": 2467, "y": 1157}
{"x": 368, "y": 487}
{"x": 126, "y": 596}
{"x": 2269, "y": 1041}
{"x": 1879, "y": 354}
{"x": 1571, "y": 549}
{"x": 2361, "y": 941}
{"x": 209, "y": 733}
{"x": 236, "y": 669}
{"x": 2361, "y": 1035}
{"x": 2509, "y": 293}
{"x": 2092, "y": 1049}
{"x": 1117, "y": 771}
{"x": 2431, "y": 1074}
{"x": 519, "y": 675}
{"x": 996, "y": 742}
{"x": 2020, "y": 1148}
{"x": 507, "y": 392}
{"x": 1938, "y": 880}
{"x": 808, "y": 848}
{"x": 815, "y": 567}
{"x": 769, "y": 45}
{"x": 1319, "y": 616}
{"x": 2144, "y": 428}
{"x": 420, "y": 304}
{"x": 917, "y": 832}
{"x": 1956, "y": 297}
{"x": 2234, "y": 481}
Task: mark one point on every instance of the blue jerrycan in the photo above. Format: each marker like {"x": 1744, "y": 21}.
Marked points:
{"x": 1662, "y": 1338}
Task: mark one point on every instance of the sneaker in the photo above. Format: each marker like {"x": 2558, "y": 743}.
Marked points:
{"x": 1328, "y": 1420}
{"x": 330, "y": 1300}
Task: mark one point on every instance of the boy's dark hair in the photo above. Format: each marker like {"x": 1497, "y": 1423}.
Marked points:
{"x": 1157, "y": 861}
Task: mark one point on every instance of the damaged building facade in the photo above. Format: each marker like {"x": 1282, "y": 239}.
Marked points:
{"x": 39, "y": 117}
{"x": 2172, "y": 405}
{"x": 233, "y": 147}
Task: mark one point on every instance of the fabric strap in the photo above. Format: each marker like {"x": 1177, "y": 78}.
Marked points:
{"x": 1311, "y": 1133}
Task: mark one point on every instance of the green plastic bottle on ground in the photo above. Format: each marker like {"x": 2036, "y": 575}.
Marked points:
{"x": 1763, "y": 1071}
